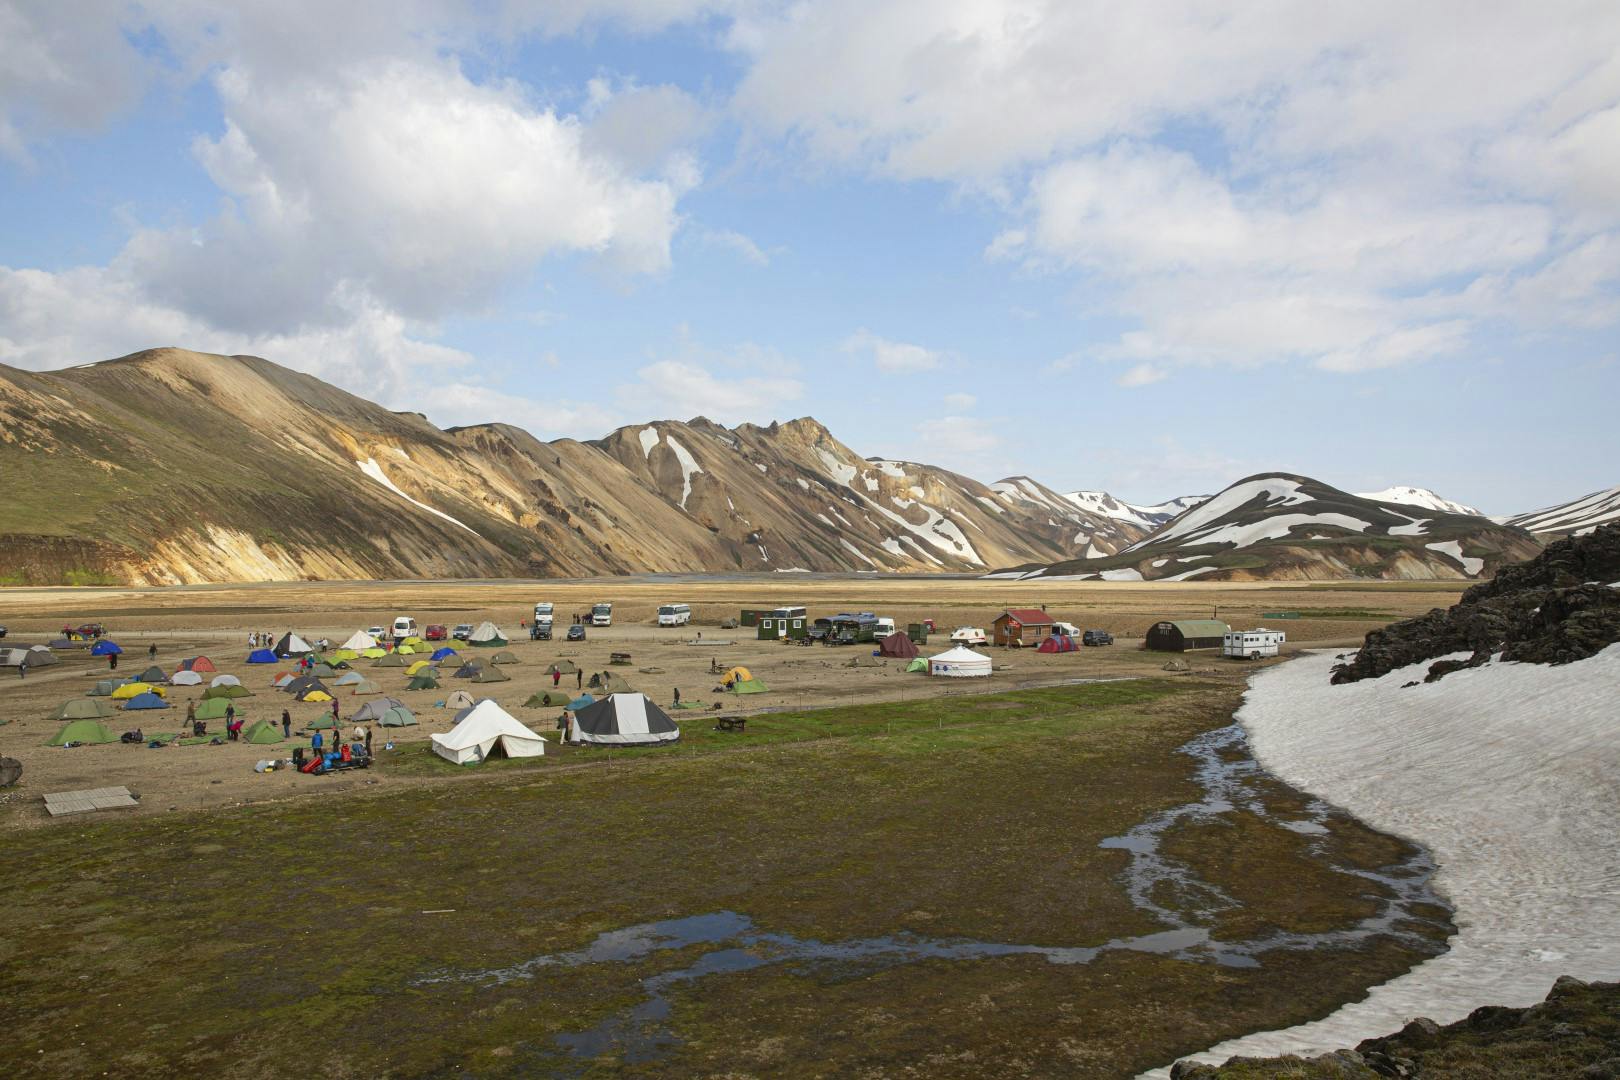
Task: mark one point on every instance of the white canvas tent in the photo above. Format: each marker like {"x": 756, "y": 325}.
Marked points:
{"x": 487, "y": 634}
{"x": 360, "y": 640}
{"x": 623, "y": 720}
{"x": 483, "y": 729}
{"x": 292, "y": 645}
{"x": 960, "y": 662}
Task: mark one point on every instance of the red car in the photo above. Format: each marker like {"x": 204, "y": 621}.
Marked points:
{"x": 435, "y": 633}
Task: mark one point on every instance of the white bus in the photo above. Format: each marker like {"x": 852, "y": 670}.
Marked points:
{"x": 602, "y": 614}
{"x": 542, "y": 614}
{"x": 674, "y": 615}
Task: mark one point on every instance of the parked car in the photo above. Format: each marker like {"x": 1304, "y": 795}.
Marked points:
{"x": 376, "y": 632}
{"x": 968, "y": 635}
{"x": 576, "y": 632}
{"x": 435, "y": 632}
{"x": 2, "y": 631}
{"x": 462, "y": 632}
{"x": 1096, "y": 637}
{"x": 539, "y": 631}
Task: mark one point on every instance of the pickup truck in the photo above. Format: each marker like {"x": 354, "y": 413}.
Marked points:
{"x": 968, "y": 635}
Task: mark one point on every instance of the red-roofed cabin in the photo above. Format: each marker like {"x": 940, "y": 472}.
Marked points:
{"x": 1021, "y": 626}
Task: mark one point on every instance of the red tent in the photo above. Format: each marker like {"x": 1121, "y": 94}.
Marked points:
{"x": 199, "y": 664}
{"x": 898, "y": 644}
{"x": 1057, "y": 643}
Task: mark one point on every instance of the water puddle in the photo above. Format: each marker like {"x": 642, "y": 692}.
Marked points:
{"x": 1158, "y": 884}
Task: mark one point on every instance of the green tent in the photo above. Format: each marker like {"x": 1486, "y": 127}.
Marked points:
{"x": 612, "y": 684}
{"x": 393, "y": 659}
{"x": 82, "y": 709}
{"x": 492, "y": 674}
{"x": 323, "y": 722}
{"x": 747, "y": 686}
{"x": 917, "y": 665}
{"x": 397, "y": 716}
{"x": 83, "y": 731}
{"x": 423, "y": 682}
{"x": 549, "y": 699}
{"x": 262, "y": 731}
{"x": 212, "y": 708}
{"x": 505, "y": 658}
{"x": 227, "y": 691}
{"x": 365, "y": 687}
{"x": 105, "y": 687}
{"x": 563, "y": 667}
{"x": 321, "y": 671}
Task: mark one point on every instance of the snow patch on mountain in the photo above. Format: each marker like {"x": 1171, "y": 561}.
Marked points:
{"x": 373, "y": 470}
{"x": 1416, "y": 496}
{"x": 1471, "y": 567}
{"x": 1576, "y": 517}
{"x": 649, "y": 439}
{"x": 1274, "y": 491}
{"x": 689, "y": 467}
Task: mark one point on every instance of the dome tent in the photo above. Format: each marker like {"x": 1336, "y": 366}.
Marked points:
{"x": 185, "y": 678}
{"x": 624, "y": 720}
{"x": 376, "y": 712}
{"x": 90, "y": 732}
{"x": 1057, "y": 643}
{"x": 960, "y": 662}
{"x": 542, "y": 699}
{"x": 82, "y": 709}
{"x": 424, "y": 681}
{"x": 562, "y": 667}
{"x": 227, "y": 691}
{"x": 505, "y": 658}
{"x": 261, "y": 656}
{"x": 417, "y": 667}
{"x": 200, "y": 664}
{"x": 224, "y": 680}
{"x": 484, "y": 729}
{"x": 351, "y": 678}
{"x": 365, "y": 688}
{"x": 443, "y": 653}
{"x": 487, "y": 636}
{"x": 128, "y": 690}
{"x": 153, "y": 674}
{"x": 459, "y": 699}
{"x": 148, "y": 700}
{"x": 212, "y": 708}
{"x": 261, "y": 731}
{"x": 492, "y": 674}
{"x": 393, "y": 659}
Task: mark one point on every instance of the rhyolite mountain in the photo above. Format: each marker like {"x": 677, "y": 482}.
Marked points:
{"x": 1577, "y": 517}
{"x": 169, "y": 466}
{"x": 1283, "y": 526}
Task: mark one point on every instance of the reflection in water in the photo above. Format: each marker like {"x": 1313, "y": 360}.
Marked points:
{"x": 1157, "y": 884}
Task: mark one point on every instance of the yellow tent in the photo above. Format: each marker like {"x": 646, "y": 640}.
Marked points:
{"x": 414, "y": 642}
{"x": 418, "y": 666}
{"x": 736, "y": 674}
{"x": 318, "y": 695}
{"x": 343, "y": 654}
{"x": 129, "y": 690}
{"x": 373, "y": 653}
{"x": 405, "y": 649}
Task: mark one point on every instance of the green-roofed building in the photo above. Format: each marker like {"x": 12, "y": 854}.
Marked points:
{"x": 1184, "y": 635}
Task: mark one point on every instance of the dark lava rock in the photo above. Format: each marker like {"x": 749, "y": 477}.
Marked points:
{"x": 1554, "y": 609}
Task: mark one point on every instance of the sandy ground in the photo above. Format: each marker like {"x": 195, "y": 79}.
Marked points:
{"x": 215, "y": 620}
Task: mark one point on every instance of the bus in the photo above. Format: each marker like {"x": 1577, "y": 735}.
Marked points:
{"x": 602, "y": 614}
{"x": 674, "y": 615}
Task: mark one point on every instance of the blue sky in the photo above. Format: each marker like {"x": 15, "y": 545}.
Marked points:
{"x": 1111, "y": 247}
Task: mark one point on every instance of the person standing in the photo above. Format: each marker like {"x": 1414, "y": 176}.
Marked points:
{"x": 316, "y": 742}
{"x": 677, "y": 697}
{"x": 22, "y": 669}
{"x": 230, "y": 722}
{"x": 368, "y": 742}
{"x": 112, "y": 661}
{"x": 556, "y": 677}
{"x": 334, "y": 712}
{"x": 191, "y": 714}
{"x": 286, "y": 724}
{"x": 579, "y": 678}
{"x": 151, "y": 652}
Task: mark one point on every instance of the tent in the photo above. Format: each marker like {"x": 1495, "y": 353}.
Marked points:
{"x": 405, "y": 650}
{"x": 418, "y": 666}
{"x": 360, "y": 640}
{"x": 200, "y": 664}
{"x": 392, "y": 660}
{"x": 442, "y": 653}
{"x": 734, "y": 674}
{"x": 292, "y": 645}
{"x": 324, "y": 722}
{"x": 282, "y": 680}
{"x": 470, "y": 669}
{"x": 83, "y": 731}
{"x": 1056, "y": 643}
{"x": 624, "y": 720}
{"x": 30, "y": 658}
{"x": 424, "y": 681}
{"x": 459, "y": 699}
{"x": 580, "y": 702}
{"x": 482, "y": 730}
{"x": 128, "y": 690}
{"x": 373, "y": 710}
{"x": 748, "y": 686}
{"x": 505, "y": 658}
{"x": 343, "y": 656}
{"x": 105, "y": 647}
{"x": 917, "y": 665}
{"x": 398, "y": 716}
{"x": 314, "y": 695}
{"x": 212, "y": 708}
{"x": 487, "y": 636}
{"x": 413, "y": 642}
{"x": 261, "y": 731}
{"x": 960, "y": 662}
{"x": 153, "y": 674}
{"x": 106, "y": 687}
{"x": 303, "y": 683}
{"x": 492, "y": 674}
{"x": 322, "y": 671}
{"x": 148, "y": 700}
{"x": 237, "y": 691}
{"x": 365, "y": 687}
{"x": 82, "y": 709}
{"x": 40, "y": 656}
{"x": 224, "y": 680}
{"x": 185, "y": 678}
{"x": 606, "y": 682}
{"x": 373, "y": 653}
{"x": 898, "y": 645}
{"x": 351, "y": 678}
{"x": 261, "y": 656}
{"x": 562, "y": 667}
{"x": 546, "y": 699}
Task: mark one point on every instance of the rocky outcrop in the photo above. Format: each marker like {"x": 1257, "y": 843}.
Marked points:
{"x": 1562, "y": 606}
{"x": 1574, "y": 1033}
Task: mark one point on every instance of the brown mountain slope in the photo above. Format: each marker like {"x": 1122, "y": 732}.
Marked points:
{"x": 172, "y": 466}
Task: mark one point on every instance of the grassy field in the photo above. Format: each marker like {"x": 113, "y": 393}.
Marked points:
{"x": 300, "y": 938}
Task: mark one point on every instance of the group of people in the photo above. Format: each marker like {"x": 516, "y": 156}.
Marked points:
{"x": 579, "y": 678}
{"x": 259, "y": 639}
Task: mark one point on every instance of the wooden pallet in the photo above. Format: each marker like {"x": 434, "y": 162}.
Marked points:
{"x": 59, "y": 803}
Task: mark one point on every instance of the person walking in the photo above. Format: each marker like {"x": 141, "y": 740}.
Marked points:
{"x": 22, "y": 668}
{"x": 677, "y": 697}
{"x": 334, "y": 711}
{"x": 556, "y": 677}
{"x": 286, "y": 724}
{"x": 151, "y": 652}
{"x": 368, "y": 742}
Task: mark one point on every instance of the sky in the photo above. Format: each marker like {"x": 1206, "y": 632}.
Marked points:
{"x": 1141, "y": 248}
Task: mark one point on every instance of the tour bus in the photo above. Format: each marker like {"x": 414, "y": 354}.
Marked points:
{"x": 602, "y": 614}
{"x": 404, "y": 627}
{"x": 674, "y": 615}
{"x": 542, "y": 614}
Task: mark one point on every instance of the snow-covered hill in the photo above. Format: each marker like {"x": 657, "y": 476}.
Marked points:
{"x": 1574, "y": 518}
{"x": 1416, "y": 496}
{"x": 1143, "y": 517}
{"x": 1279, "y": 525}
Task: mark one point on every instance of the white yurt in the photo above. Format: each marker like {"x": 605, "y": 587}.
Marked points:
{"x": 961, "y": 663}
{"x": 483, "y": 729}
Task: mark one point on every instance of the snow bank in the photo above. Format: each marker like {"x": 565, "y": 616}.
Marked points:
{"x": 1507, "y": 773}
{"x": 649, "y": 439}
{"x": 373, "y": 470}
{"x": 1471, "y": 567}
{"x": 689, "y": 466}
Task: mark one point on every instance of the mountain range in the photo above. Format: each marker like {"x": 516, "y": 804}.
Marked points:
{"x": 169, "y": 466}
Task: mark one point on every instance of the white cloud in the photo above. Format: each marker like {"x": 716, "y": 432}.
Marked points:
{"x": 735, "y": 242}
{"x": 896, "y": 357}
{"x": 681, "y": 389}
{"x": 1141, "y": 375}
{"x": 960, "y": 402}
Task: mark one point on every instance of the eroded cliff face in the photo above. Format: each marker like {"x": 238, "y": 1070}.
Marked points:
{"x": 171, "y": 466}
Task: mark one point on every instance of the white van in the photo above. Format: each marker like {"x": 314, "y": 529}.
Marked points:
{"x": 602, "y": 614}
{"x": 1253, "y": 644}
{"x": 404, "y": 627}
{"x": 674, "y": 615}
{"x": 884, "y": 627}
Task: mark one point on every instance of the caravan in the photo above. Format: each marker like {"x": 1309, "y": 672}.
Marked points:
{"x": 1253, "y": 644}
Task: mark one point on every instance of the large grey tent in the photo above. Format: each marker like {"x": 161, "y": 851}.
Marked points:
{"x": 292, "y": 645}
{"x": 624, "y": 720}
{"x": 377, "y": 710}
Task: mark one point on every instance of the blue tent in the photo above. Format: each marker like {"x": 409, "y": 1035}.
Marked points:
{"x": 261, "y": 656}
{"x": 440, "y": 654}
{"x": 580, "y": 702}
{"x": 105, "y": 648}
{"x": 147, "y": 700}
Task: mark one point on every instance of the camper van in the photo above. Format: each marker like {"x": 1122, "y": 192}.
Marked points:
{"x": 404, "y": 627}
{"x": 674, "y": 615}
{"x": 1253, "y": 644}
{"x": 602, "y": 614}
